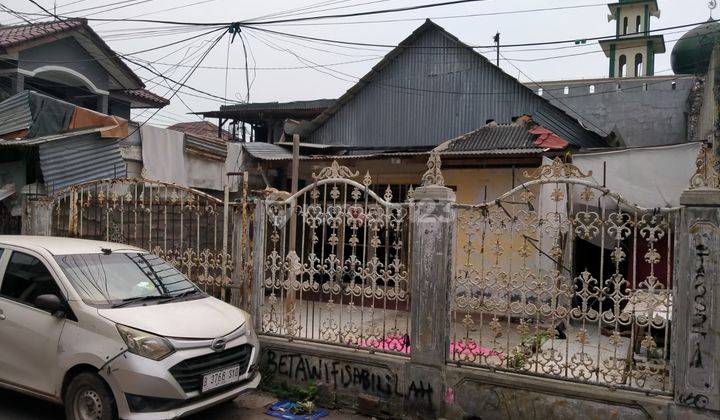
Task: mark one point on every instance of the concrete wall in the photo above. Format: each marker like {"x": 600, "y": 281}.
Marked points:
{"x": 378, "y": 385}
{"x": 645, "y": 111}
{"x": 67, "y": 53}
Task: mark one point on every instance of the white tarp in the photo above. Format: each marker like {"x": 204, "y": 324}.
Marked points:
{"x": 233, "y": 163}
{"x": 163, "y": 155}
{"x": 649, "y": 177}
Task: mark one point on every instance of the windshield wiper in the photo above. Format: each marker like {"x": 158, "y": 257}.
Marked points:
{"x": 181, "y": 295}
{"x": 128, "y": 301}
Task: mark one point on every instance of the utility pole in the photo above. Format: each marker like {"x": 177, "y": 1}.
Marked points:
{"x": 496, "y": 38}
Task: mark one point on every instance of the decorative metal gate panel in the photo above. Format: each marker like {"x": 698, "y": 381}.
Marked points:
{"x": 188, "y": 228}
{"x": 560, "y": 277}
{"x": 335, "y": 264}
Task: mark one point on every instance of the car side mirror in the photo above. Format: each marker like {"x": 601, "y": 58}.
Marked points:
{"x": 52, "y": 304}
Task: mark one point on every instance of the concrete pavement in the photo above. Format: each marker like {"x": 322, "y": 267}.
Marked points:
{"x": 15, "y": 406}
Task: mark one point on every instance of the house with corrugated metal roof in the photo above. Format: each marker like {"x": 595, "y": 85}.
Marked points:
{"x": 430, "y": 89}
{"x": 66, "y": 98}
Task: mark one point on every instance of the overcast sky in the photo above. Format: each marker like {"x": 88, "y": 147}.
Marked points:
{"x": 268, "y": 53}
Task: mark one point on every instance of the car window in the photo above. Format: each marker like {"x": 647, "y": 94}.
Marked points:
{"x": 110, "y": 279}
{"x": 26, "y": 278}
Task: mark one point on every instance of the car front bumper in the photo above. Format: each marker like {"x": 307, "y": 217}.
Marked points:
{"x": 146, "y": 389}
{"x": 193, "y": 405}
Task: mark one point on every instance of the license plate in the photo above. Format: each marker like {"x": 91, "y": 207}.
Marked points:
{"x": 221, "y": 377}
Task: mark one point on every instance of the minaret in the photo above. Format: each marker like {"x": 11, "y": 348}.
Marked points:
{"x": 632, "y": 51}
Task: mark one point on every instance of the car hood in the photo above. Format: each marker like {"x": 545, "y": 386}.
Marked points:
{"x": 198, "y": 318}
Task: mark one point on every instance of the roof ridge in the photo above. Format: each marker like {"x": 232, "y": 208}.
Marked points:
{"x": 389, "y": 58}
{"x": 45, "y": 23}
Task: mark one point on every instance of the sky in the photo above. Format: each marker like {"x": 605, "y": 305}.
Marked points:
{"x": 285, "y": 69}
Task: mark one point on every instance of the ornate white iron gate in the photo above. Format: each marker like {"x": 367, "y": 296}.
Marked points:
{"x": 561, "y": 277}
{"x": 190, "y": 229}
{"x": 334, "y": 264}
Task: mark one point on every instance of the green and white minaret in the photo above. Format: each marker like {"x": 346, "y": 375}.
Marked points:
{"x": 632, "y": 51}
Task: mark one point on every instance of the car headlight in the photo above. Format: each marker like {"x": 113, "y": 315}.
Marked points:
{"x": 145, "y": 344}
{"x": 250, "y": 331}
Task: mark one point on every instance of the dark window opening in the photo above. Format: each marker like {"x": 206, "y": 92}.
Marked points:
{"x": 26, "y": 278}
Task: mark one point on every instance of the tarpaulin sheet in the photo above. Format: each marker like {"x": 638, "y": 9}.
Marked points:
{"x": 86, "y": 118}
{"x": 163, "y": 155}
{"x": 49, "y": 115}
{"x": 648, "y": 176}
{"x": 233, "y": 163}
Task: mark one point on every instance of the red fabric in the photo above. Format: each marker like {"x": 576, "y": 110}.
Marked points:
{"x": 548, "y": 139}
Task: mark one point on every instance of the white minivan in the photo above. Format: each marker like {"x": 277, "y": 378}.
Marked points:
{"x": 113, "y": 331}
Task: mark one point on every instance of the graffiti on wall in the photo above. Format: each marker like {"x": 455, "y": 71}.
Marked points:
{"x": 339, "y": 375}
{"x": 700, "y": 374}
{"x": 347, "y": 377}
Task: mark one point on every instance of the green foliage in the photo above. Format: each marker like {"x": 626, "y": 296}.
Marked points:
{"x": 529, "y": 344}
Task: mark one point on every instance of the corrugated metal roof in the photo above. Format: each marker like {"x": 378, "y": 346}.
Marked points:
{"x": 266, "y": 151}
{"x": 433, "y": 87}
{"x": 201, "y": 129}
{"x": 534, "y": 151}
{"x": 493, "y": 137}
{"x": 214, "y": 146}
{"x": 299, "y": 105}
{"x": 79, "y": 159}
{"x": 496, "y": 152}
{"x": 15, "y": 113}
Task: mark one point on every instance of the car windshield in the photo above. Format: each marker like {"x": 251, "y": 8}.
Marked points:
{"x": 120, "y": 278}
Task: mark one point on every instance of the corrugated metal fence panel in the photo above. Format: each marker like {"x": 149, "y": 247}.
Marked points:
{"x": 79, "y": 159}
{"x": 428, "y": 95}
{"x": 15, "y": 114}
{"x": 209, "y": 146}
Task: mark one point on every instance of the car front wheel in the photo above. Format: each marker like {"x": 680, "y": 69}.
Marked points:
{"x": 88, "y": 398}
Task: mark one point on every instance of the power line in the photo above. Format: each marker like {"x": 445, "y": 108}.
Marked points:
{"x": 181, "y": 84}
{"x": 527, "y": 44}
{"x": 509, "y": 12}
{"x": 368, "y": 13}
{"x": 372, "y": 12}
{"x": 277, "y": 68}
{"x": 558, "y": 99}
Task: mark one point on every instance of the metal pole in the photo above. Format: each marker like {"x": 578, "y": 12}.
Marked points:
{"x": 291, "y": 297}
{"x": 497, "y": 47}
{"x": 294, "y": 188}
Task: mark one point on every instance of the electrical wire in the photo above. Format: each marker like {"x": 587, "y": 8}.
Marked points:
{"x": 471, "y": 15}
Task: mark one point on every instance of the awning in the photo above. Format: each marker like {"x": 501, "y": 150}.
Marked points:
{"x": 31, "y": 142}
{"x": 31, "y": 114}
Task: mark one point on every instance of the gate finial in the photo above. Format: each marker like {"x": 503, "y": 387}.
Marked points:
{"x": 433, "y": 175}
{"x": 557, "y": 170}
{"x": 335, "y": 171}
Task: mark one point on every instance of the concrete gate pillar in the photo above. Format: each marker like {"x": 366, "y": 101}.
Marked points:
{"x": 696, "y": 321}
{"x": 37, "y": 217}
{"x": 432, "y": 220}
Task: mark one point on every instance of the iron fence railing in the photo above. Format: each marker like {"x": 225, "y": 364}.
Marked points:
{"x": 335, "y": 265}
{"x": 562, "y": 278}
{"x": 188, "y": 228}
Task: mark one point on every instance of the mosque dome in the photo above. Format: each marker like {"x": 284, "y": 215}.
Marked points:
{"x": 691, "y": 54}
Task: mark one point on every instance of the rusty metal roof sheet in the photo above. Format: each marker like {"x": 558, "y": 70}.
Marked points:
{"x": 432, "y": 87}
{"x": 266, "y": 151}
